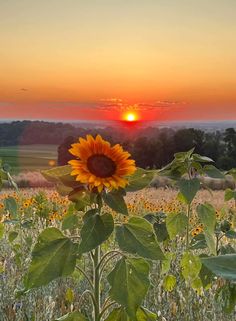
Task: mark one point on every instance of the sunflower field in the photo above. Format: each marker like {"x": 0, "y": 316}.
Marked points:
{"x": 104, "y": 246}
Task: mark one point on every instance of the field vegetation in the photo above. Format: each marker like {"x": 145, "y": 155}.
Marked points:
{"x": 82, "y": 252}
{"x": 29, "y": 157}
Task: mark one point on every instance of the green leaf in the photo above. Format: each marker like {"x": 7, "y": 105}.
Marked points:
{"x": 137, "y": 237}
{"x": 73, "y": 316}
{"x": 69, "y": 296}
{"x": 189, "y": 189}
{"x": 140, "y": 179}
{"x": 198, "y": 242}
{"x": 63, "y": 190}
{"x": 70, "y": 222}
{"x": 226, "y": 296}
{"x": 161, "y": 231}
{"x": 166, "y": 264}
{"x": 191, "y": 266}
{"x": 81, "y": 197}
{"x": 115, "y": 201}
{"x": 230, "y": 194}
{"x": 70, "y": 181}
{"x": 231, "y": 234}
{"x": 96, "y": 230}
{"x": 183, "y": 156}
{"x": 12, "y": 236}
{"x": 11, "y": 206}
{"x": 213, "y": 172}
{"x": 1, "y": 230}
{"x": 227, "y": 249}
{"x": 90, "y": 213}
{"x": 12, "y": 182}
{"x": 169, "y": 283}
{"x": 119, "y": 314}
{"x": 3, "y": 175}
{"x": 129, "y": 282}
{"x": 222, "y": 265}
{"x": 176, "y": 224}
{"x": 232, "y": 172}
{"x": 207, "y": 216}
{"x": 145, "y": 315}
{"x": 206, "y": 276}
{"x": 53, "y": 256}
{"x": 54, "y": 174}
{"x": 202, "y": 159}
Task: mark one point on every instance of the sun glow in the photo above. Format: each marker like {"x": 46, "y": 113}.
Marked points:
{"x": 130, "y": 116}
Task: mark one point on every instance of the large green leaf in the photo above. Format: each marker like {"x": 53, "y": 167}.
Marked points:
{"x": 70, "y": 181}
{"x": 54, "y": 174}
{"x": 96, "y": 230}
{"x": 140, "y": 179}
{"x": 137, "y": 237}
{"x": 73, "y": 316}
{"x": 11, "y": 206}
{"x": 222, "y": 265}
{"x": 206, "y": 275}
{"x": 53, "y": 256}
{"x": 129, "y": 282}
{"x": 189, "y": 189}
{"x": 119, "y": 314}
{"x": 213, "y": 172}
{"x": 115, "y": 201}
{"x": 176, "y": 224}
{"x": 70, "y": 222}
{"x": 202, "y": 159}
{"x": 207, "y": 216}
{"x": 191, "y": 266}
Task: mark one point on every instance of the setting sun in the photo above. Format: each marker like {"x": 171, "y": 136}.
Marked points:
{"x": 130, "y": 117}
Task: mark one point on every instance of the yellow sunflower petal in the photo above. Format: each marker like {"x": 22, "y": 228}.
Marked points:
{"x": 100, "y": 165}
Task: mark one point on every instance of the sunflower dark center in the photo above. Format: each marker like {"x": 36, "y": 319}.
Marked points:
{"x": 101, "y": 165}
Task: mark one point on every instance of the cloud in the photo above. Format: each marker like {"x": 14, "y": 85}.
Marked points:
{"x": 122, "y": 105}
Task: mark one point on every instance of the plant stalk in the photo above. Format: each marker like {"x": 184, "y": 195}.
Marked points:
{"x": 187, "y": 232}
{"x": 96, "y": 280}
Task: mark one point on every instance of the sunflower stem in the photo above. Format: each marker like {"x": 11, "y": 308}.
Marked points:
{"x": 96, "y": 272}
{"x": 96, "y": 281}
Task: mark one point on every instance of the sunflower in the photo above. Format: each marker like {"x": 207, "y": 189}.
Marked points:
{"x": 99, "y": 164}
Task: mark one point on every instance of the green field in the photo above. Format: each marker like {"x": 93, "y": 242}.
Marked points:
{"x": 29, "y": 157}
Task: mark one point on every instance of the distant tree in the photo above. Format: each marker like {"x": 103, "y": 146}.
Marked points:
{"x": 63, "y": 154}
{"x": 230, "y": 140}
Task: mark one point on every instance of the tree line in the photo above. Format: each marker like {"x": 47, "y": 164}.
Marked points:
{"x": 151, "y": 147}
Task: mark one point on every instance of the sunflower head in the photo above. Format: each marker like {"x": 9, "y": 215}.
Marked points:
{"x": 100, "y": 165}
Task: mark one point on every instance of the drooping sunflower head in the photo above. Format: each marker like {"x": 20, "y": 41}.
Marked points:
{"x": 100, "y": 165}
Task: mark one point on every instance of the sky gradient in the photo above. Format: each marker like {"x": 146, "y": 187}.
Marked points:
{"x": 96, "y": 59}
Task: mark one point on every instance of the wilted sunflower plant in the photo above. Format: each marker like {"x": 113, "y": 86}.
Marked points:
{"x": 118, "y": 251}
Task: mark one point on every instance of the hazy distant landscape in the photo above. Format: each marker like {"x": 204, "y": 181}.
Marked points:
{"x": 28, "y": 145}
{"x": 205, "y": 125}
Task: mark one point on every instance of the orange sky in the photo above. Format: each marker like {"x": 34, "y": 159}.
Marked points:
{"x": 76, "y": 59}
